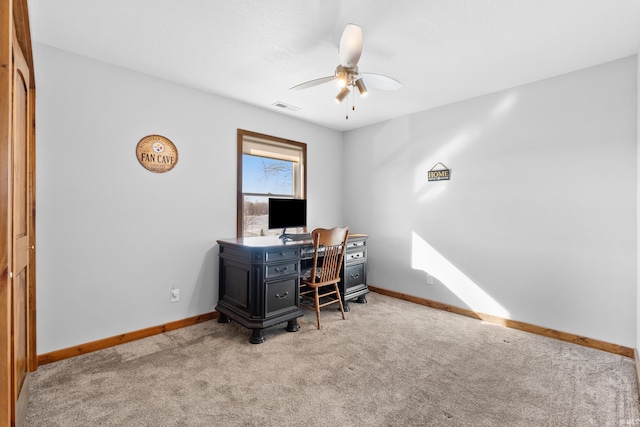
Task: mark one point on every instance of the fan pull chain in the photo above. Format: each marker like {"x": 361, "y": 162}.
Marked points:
{"x": 353, "y": 99}
{"x": 346, "y": 108}
{"x": 353, "y": 104}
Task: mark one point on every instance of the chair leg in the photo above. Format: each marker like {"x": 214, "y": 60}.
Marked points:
{"x": 339, "y": 301}
{"x": 317, "y": 303}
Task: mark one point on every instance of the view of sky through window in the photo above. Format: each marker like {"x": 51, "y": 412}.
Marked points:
{"x": 266, "y": 176}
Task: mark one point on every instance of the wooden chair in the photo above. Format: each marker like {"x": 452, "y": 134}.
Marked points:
{"x": 320, "y": 288}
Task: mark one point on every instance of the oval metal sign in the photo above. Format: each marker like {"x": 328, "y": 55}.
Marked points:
{"x": 157, "y": 154}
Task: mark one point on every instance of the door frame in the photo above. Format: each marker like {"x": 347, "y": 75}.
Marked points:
{"x": 14, "y": 25}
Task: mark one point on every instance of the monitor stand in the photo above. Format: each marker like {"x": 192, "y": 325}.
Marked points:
{"x": 284, "y": 236}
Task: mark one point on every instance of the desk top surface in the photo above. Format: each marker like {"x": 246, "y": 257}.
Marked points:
{"x": 266, "y": 241}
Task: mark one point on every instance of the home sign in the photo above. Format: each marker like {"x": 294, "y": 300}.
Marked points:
{"x": 441, "y": 174}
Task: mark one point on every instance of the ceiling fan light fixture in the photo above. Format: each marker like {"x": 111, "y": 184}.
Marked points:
{"x": 343, "y": 78}
{"x": 343, "y": 93}
{"x": 346, "y": 74}
{"x": 361, "y": 87}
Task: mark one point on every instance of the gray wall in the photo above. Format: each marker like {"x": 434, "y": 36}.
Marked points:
{"x": 538, "y": 221}
{"x": 112, "y": 237}
{"x": 537, "y": 224}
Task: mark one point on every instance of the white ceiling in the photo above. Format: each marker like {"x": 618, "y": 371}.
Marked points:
{"x": 253, "y": 51}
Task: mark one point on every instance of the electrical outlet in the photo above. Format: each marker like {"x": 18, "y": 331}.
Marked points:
{"x": 429, "y": 279}
{"x": 175, "y": 295}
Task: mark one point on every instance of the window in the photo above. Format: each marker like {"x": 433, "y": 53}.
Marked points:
{"x": 267, "y": 167}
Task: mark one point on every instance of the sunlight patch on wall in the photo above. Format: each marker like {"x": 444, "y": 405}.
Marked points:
{"x": 424, "y": 257}
{"x": 506, "y": 103}
{"x": 457, "y": 143}
{"x": 430, "y": 192}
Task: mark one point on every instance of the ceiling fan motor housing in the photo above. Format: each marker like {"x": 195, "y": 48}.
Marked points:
{"x": 347, "y": 76}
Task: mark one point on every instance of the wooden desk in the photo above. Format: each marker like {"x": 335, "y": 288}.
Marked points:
{"x": 260, "y": 277}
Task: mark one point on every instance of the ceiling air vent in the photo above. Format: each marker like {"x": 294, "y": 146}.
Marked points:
{"x": 285, "y": 106}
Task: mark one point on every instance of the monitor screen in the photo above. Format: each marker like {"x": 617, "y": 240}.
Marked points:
{"x": 286, "y": 213}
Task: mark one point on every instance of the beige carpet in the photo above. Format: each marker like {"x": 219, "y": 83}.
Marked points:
{"x": 391, "y": 363}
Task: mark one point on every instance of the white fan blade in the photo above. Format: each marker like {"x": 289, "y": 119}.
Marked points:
{"x": 378, "y": 81}
{"x": 312, "y": 83}
{"x": 350, "y": 46}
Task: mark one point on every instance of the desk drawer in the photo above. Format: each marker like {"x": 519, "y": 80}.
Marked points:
{"x": 280, "y": 295}
{"x": 284, "y": 269}
{"x": 354, "y": 275}
{"x": 355, "y": 244}
{"x": 281, "y": 254}
{"x": 357, "y": 255}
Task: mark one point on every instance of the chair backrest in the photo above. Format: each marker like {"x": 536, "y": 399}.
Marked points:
{"x": 330, "y": 245}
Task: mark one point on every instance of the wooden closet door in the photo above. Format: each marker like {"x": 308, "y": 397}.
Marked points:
{"x": 20, "y": 230}
{"x": 17, "y": 212}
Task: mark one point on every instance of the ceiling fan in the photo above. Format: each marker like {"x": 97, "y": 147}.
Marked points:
{"x": 347, "y": 74}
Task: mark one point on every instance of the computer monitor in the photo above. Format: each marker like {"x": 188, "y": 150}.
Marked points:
{"x": 287, "y": 213}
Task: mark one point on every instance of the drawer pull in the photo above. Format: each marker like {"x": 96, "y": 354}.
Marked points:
{"x": 281, "y": 270}
{"x": 283, "y": 296}
{"x": 355, "y": 276}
